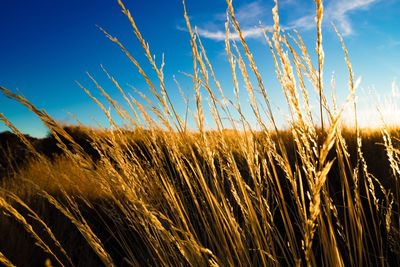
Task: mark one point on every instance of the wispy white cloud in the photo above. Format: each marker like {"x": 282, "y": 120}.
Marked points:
{"x": 306, "y": 22}
{"x": 249, "y": 15}
{"x": 288, "y": 2}
{"x": 336, "y": 12}
{"x": 220, "y": 35}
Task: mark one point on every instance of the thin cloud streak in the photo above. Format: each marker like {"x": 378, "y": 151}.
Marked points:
{"x": 250, "y": 13}
{"x": 336, "y": 11}
{"x": 254, "y": 32}
{"x": 248, "y": 16}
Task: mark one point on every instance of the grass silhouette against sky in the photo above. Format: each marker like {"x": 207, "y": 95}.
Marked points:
{"x": 157, "y": 193}
{"x": 46, "y": 46}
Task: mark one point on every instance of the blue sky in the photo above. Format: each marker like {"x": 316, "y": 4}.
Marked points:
{"x": 47, "y": 45}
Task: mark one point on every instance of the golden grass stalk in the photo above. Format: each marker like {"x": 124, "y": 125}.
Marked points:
{"x": 320, "y": 54}
{"x": 83, "y": 228}
{"x": 6, "y": 262}
{"x": 243, "y": 197}
{"x": 37, "y": 218}
{"x": 11, "y": 211}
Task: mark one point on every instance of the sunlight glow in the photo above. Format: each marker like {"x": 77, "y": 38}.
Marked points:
{"x": 376, "y": 110}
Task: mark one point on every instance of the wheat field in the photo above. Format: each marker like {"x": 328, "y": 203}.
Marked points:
{"x": 155, "y": 193}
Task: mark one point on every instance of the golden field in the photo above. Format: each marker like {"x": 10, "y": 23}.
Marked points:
{"x": 154, "y": 193}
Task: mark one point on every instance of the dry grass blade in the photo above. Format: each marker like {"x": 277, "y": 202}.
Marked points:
{"x": 320, "y": 54}
{"x": 253, "y": 65}
{"x": 6, "y": 262}
{"x": 154, "y": 193}
{"x": 10, "y": 210}
{"x": 84, "y": 229}
{"x": 37, "y": 218}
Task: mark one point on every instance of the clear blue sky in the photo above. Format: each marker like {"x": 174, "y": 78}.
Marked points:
{"x": 47, "y": 45}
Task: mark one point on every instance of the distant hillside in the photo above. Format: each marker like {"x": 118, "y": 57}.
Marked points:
{"x": 14, "y": 153}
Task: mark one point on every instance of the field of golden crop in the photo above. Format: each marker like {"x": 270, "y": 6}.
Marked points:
{"x": 153, "y": 193}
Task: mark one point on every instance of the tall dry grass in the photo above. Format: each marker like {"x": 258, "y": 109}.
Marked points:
{"x": 157, "y": 194}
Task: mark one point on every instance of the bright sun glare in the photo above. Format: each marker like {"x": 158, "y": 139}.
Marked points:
{"x": 374, "y": 109}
